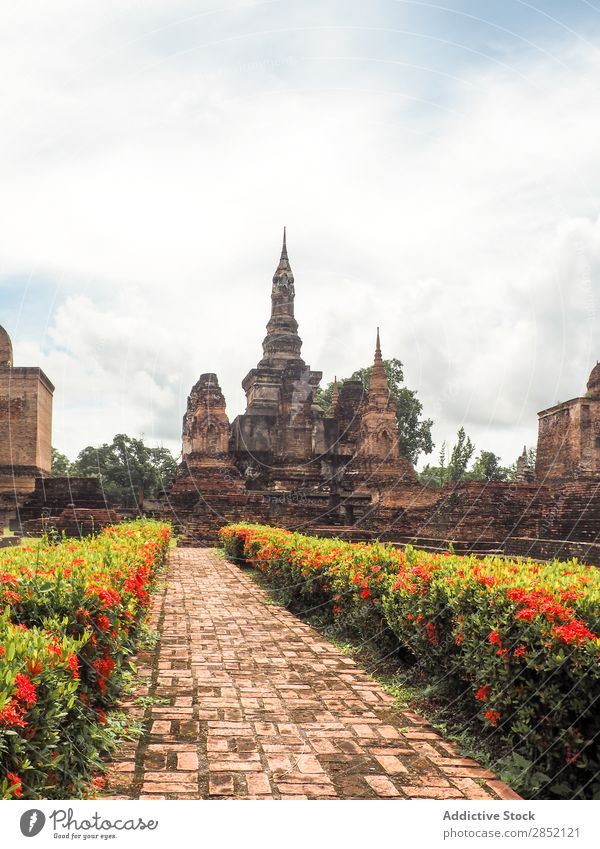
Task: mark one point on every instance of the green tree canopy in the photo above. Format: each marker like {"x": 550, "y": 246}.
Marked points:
{"x": 487, "y": 468}
{"x": 460, "y": 456}
{"x": 456, "y": 469}
{"x": 61, "y": 465}
{"x": 414, "y": 433}
{"x": 128, "y": 469}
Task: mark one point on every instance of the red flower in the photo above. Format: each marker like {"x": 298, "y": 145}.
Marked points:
{"x": 73, "y": 665}
{"x": 25, "y": 691}
{"x": 11, "y": 596}
{"x": 103, "y": 622}
{"x": 501, "y": 652}
{"x": 7, "y": 578}
{"x": 519, "y": 651}
{"x": 14, "y": 779}
{"x": 515, "y": 594}
{"x": 55, "y": 648}
{"x": 573, "y": 632}
{"x": 365, "y": 593}
{"x": 483, "y": 693}
{"x": 495, "y": 638}
{"x": 527, "y": 614}
{"x": 493, "y": 716}
{"x": 11, "y": 716}
{"x": 34, "y": 667}
{"x": 432, "y": 634}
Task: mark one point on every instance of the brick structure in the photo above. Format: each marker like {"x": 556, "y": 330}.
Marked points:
{"x": 74, "y": 505}
{"x": 285, "y": 460}
{"x": 524, "y": 473}
{"x": 25, "y": 423}
{"x": 382, "y": 470}
{"x": 569, "y": 436}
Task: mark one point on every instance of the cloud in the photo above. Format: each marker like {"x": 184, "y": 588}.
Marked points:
{"x": 150, "y": 159}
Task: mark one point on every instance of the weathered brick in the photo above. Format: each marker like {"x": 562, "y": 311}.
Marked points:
{"x": 382, "y": 786}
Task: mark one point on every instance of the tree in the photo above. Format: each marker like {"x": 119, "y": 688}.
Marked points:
{"x": 128, "y": 470}
{"x": 487, "y": 468}
{"x": 414, "y": 433}
{"x": 435, "y": 476}
{"x": 61, "y": 465}
{"x": 460, "y": 457}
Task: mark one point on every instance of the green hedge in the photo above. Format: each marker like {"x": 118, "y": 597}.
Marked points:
{"x": 518, "y": 637}
{"x": 71, "y": 614}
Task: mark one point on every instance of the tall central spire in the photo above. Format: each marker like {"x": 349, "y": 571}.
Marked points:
{"x": 282, "y": 342}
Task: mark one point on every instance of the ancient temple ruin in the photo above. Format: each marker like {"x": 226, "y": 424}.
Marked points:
{"x": 285, "y": 454}
{"x": 25, "y": 422}
{"x": 569, "y": 436}
{"x": 31, "y": 501}
{"x": 286, "y": 461}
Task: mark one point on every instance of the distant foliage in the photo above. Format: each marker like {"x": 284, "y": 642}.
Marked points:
{"x": 460, "y": 457}
{"x": 486, "y": 466}
{"x": 128, "y": 470}
{"x": 61, "y": 465}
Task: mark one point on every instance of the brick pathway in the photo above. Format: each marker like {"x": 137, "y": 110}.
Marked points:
{"x": 256, "y": 704}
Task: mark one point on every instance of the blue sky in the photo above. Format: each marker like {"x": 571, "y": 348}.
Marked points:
{"x": 436, "y": 165}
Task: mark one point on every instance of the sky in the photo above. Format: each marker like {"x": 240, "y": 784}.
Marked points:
{"x": 436, "y": 165}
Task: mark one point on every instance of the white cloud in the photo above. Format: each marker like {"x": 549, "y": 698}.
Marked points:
{"x": 148, "y": 169}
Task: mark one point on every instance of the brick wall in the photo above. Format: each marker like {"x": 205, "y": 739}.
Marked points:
{"x": 569, "y": 440}
{"x": 25, "y": 421}
{"x": 551, "y": 549}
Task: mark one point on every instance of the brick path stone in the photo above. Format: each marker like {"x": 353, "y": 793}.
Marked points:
{"x": 248, "y": 702}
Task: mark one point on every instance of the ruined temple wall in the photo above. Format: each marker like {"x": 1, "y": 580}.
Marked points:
{"x": 25, "y": 426}
{"x": 590, "y": 437}
{"x": 568, "y": 440}
{"x": 558, "y": 441}
{"x": 572, "y": 512}
{"x": 477, "y": 510}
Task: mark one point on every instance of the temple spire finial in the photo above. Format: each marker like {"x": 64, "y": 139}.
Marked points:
{"x": 378, "y": 385}
{"x": 284, "y": 263}
{"x": 335, "y": 396}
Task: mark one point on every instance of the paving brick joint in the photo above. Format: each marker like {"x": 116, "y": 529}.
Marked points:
{"x": 248, "y": 702}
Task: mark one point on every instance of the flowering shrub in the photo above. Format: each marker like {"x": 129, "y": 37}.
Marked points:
{"x": 71, "y": 613}
{"x": 520, "y": 637}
